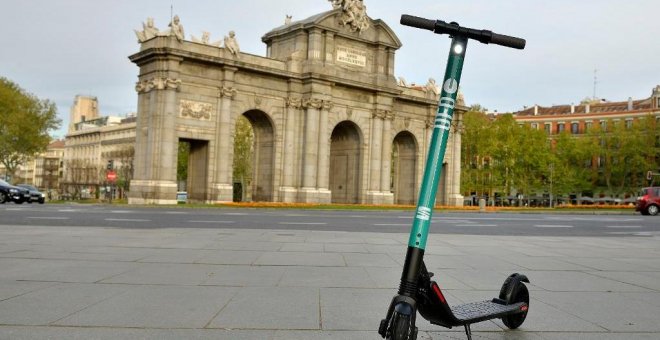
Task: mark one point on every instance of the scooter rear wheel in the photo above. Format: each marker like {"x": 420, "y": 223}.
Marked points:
{"x": 521, "y": 295}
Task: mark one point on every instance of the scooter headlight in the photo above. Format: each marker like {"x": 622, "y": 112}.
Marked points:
{"x": 13, "y": 191}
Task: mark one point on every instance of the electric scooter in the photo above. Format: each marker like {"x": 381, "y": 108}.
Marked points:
{"x": 417, "y": 292}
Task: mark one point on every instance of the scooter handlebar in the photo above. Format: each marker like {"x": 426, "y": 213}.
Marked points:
{"x": 413, "y": 21}
{"x": 508, "y": 41}
{"x": 484, "y": 36}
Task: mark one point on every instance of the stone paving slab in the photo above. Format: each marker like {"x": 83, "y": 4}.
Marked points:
{"x": 105, "y": 283}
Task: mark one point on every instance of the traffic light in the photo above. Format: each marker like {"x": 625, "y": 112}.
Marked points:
{"x": 110, "y": 165}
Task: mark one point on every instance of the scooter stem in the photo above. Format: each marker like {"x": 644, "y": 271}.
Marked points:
{"x": 432, "y": 172}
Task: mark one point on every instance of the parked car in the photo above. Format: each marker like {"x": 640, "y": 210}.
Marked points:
{"x": 648, "y": 202}
{"x": 12, "y": 193}
{"x": 35, "y": 194}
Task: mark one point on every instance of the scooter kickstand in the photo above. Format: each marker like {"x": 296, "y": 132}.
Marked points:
{"x": 468, "y": 331}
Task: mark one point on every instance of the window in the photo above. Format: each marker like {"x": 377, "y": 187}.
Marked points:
{"x": 560, "y": 127}
{"x": 535, "y": 126}
{"x": 575, "y": 128}
{"x": 547, "y": 127}
{"x": 587, "y": 126}
{"x": 603, "y": 125}
{"x": 629, "y": 123}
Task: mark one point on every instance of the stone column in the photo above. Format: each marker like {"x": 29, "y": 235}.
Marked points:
{"x": 156, "y": 140}
{"x": 454, "y": 197}
{"x": 374, "y": 194}
{"x": 288, "y": 193}
{"x": 315, "y": 43}
{"x": 323, "y": 167}
{"x": 309, "y": 190}
{"x": 222, "y": 187}
{"x": 386, "y": 173}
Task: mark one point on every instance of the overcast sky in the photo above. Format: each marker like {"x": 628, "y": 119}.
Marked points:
{"x": 57, "y": 49}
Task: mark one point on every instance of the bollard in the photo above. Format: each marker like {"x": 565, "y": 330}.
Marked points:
{"x": 482, "y": 205}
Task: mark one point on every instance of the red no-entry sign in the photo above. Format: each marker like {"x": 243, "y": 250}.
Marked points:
{"x": 111, "y": 176}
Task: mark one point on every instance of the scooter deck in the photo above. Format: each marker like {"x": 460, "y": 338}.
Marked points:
{"x": 434, "y": 307}
{"x": 484, "y": 310}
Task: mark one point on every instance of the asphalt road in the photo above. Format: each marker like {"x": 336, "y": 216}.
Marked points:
{"x": 470, "y": 223}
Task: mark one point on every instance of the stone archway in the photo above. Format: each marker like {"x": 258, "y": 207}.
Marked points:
{"x": 404, "y": 168}
{"x": 316, "y": 73}
{"x": 263, "y": 156}
{"x": 345, "y": 164}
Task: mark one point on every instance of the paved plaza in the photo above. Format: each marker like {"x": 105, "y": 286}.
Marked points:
{"x": 111, "y": 283}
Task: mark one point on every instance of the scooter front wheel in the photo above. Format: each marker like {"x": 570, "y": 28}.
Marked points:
{"x": 401, "y": 328}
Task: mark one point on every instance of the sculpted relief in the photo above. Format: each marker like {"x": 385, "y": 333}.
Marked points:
{"x": 354, "y": 15}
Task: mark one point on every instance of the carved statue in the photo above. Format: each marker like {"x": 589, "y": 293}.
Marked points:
{"x": 176, "y": 29}
{"x": 337, "y": 3}
{"x": 287, "y": 20}
{"x": 354, "y": 14}
{"x": 149, "y": 31}
{"x": 206, "y": 36}
{"x": 460, "y": 98}
{"x": 432, "y": 87}
{"x": 231, "y": 44}
{"x": 402, "y": 82}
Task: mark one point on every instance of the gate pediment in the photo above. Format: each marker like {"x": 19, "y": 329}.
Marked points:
{"x": 378, "y": 33}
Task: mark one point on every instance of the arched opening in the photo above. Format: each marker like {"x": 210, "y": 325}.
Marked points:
{"x": 192, "y": 169}
{"x": 345, "y": 163}
{"x": 404, "y": 168}
{"x": 253, "y": 157}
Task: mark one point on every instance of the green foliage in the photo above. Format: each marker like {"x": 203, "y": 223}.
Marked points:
{"x": 243, "y": 150}
{"x": 501, "y": 156}
{"x": 25, "y": 121}
{"x": 182, "y": 161}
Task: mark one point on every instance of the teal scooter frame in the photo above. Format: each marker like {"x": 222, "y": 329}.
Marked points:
{"x": 417, "y": 292}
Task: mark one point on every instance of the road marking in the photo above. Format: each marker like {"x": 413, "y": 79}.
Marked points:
{"x": 121, "y": 211}
{"x": 16, "y": 209}
{"x": 236, "y": 214}
{"x": 392, "y": 224}
{"x": 552, "y": 226}
{"x": 48, "y": 218}
{"x": 638, "y": 233}
{"x": 476, "y": 225}
{"x": 176, "y": 212}
{"x": 68, "y": 210}
{"x": 302, "y": 223}
{"x": 624, "y": 226}
{"x": 126, "y": 220}
{"x": 226, "y": 222}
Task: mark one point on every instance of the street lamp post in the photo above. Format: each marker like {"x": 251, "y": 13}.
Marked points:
{"x": 551, "y": 198}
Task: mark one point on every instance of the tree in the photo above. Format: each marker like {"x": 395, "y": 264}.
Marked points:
{"x": 182, "y": 161}
{"x": 25, "y": 121}
{"x": 476, "y": 149}
{"x": 243, "y": 151}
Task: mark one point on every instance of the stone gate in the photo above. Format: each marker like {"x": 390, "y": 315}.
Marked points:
{"x": 331, "y": 121}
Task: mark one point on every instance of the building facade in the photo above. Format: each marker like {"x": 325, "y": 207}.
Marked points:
{"x": 88, "y": 150}
{"x": 330, "y": 121}
{"x": 579, "y": 119}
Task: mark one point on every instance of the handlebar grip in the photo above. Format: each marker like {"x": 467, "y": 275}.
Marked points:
{"x": 508, "y": 41}
{"x": 413, "y": 21}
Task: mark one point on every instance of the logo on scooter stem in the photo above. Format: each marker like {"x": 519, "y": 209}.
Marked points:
{"x": 446, "y": 105}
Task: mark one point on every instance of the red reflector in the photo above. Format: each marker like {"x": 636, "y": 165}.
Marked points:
{"x": 524, "y": 308}
{"x": 438, "y": 293}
